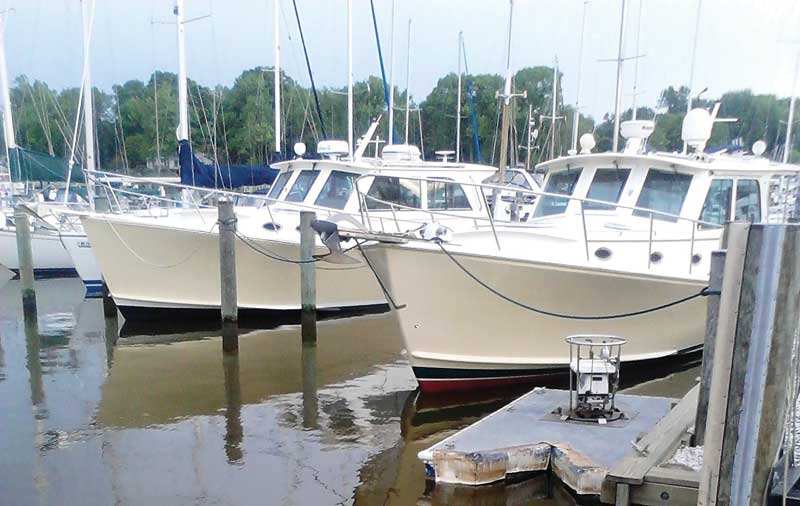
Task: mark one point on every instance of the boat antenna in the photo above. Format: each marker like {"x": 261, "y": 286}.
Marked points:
{"x": 277, "y": 83}
{"x": 576, "y": 115}
{"x": 392, "y": 134}
{"x": 310, "y": 74}
{"x": 458, "y": 101}
{"x": 350, "y": 78}
{"x": 380, "y": 58}
{"x": 88, "y": 103}
{"x": 636, "y": 62}
{"x": 554, "y": 111}
{"x": 787, "y": 150}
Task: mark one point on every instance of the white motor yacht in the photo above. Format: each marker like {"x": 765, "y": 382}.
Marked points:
{"x": 612, "y": 236}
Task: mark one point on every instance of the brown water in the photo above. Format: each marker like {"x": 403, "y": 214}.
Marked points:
{"x": 91, "y": 418}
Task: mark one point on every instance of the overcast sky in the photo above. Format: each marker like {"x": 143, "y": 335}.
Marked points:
{"x": 742, "y": 44}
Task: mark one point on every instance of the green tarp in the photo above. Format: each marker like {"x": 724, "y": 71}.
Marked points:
{"x": 26, "y": 165}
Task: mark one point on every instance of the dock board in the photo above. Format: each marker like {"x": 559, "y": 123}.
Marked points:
{"x": 525, "y": 436}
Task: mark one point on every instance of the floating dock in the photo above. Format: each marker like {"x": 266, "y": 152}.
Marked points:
{"x": 619, "y": 460}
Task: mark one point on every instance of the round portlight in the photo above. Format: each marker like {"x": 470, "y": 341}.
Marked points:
{"x": 271, "y": 226}
{"x": 696, "y": 258}
{"x": 602, "y": 253}
{"x": 656, "y": 257}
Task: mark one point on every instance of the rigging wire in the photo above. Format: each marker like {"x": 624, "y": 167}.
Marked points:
{"x": 310, "y": 74}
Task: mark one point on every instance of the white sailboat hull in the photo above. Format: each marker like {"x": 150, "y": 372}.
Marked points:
{"x": 458, "y": 334}
{"x": 50, "y": 258}
{"x": 80, "y": 251}
{"x": 155, "y": 270}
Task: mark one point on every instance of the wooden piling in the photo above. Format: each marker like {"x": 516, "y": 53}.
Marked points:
{"x": 25, "y": 255}
{"x": 109, "y": 306}
{"x": 308, "y": 279}
{"x": 748, "y": 398}
{"x": 308, "y": 359}
{"x": 712, "y": 313}
{"x": 227, "y": 272}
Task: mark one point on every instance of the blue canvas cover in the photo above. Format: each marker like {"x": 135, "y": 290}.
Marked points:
{"x": 206, "y": 175}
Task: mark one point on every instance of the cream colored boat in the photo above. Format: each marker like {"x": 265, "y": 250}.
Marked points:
{"x": 613, "y": 234}
{"x": 168, "y": 263}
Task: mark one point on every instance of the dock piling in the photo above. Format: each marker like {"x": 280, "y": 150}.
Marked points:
{"x": 25, "y": 255}
{"x": 109, "y": 306}
{"x": 712, "y": 314}
{"x": 227, "y": 273}
{"x": 308, "y": 279}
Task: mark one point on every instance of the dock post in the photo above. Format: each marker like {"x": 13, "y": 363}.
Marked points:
{"x": 234, "y": 431}
{"x": 308, "y": 279}
{"x": 227, "y": 273}
{"x": 25, "y": 255}
{"x": 712, "y": 314}
{"x": 308, "y": 359}
{"x": 748, "y": 401}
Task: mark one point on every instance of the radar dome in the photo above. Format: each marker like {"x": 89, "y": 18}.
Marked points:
{"x": 696, "y": 129}
{"x": 759, "y": 147}
{"x": 587, "y": 143}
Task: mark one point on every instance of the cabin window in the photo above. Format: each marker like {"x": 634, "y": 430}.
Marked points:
{"x": 336, "y": 191}
{"x": 512, "y": 177}
{"x": 607, "y": 186}
{"x": 302, "y": 185}
{"x": 395, "y": 190}
{"x": 278, "y": 185}
{"x": 664, "y": 192}
{"x": 717, "y": 207}
{"x": 446, "y": 195}
{"x": 562, "y": 183}
{"x": 748, "y": 201}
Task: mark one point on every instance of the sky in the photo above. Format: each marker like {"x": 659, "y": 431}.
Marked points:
{"x": 742, "y": 43}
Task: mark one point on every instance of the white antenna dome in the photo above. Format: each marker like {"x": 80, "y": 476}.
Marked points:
{"x": 759, "y": 147}
{"x": 636, "y": 133}
{"x": 696, "y": 129}
{"x": 300, "y": 149}
{"x": 587, "y": 143}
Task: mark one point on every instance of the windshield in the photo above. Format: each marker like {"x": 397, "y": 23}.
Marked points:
{"x": 607, "y": 186}
{"x": 663, "y": 191}
{"x": 562, "y": 183}
{"x": 302, "y": 185}
{"x": 717, "y": 207}
{"x": 512, "y": 178}
{"x": 405, "y": 192}
{"x": 277, "y": 186}
{"x": 336, "y": 191}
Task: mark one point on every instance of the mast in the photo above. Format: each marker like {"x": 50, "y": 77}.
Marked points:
{"x": 576, "y": 115}
{"x": 408, "y": 75}
{"x": 8, "y": 122}
{"x": 554, "y": 111}
{"x": 694, "y": 54}
{"x": 787, "y": 149}
{"x": 620, "y": 59}
{"x": 391, "y": 77}
{"x": 530, "y": 135}
{"x": 183, "y": 95}
{"x": 88, "y": 103}
{"x": 350, "y": 77}
{"x": 277, "y": 72}
{"x": 458, "y": 102}
{"x": 501, "y": 173}
{"x": 636, "y": 62}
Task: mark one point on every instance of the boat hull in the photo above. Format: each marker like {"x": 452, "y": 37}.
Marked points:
{"x": 50, "y": 258}
{"x": 80, "y": 251}
{"x": 460, "y": 335}
{"x": 157, "y": 271}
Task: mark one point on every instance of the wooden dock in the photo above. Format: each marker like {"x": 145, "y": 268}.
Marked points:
{"x": 621, "y": 461}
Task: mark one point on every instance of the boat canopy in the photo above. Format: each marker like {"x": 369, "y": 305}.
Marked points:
{"x": 207, "y": 175}
{"x": 26, "y": 165}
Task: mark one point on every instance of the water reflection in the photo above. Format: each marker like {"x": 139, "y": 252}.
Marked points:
{"x": 168, "y": 419}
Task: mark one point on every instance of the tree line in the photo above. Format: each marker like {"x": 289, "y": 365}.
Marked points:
{"x": 135, "y": 122}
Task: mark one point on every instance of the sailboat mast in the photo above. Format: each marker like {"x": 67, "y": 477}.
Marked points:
{"x": 530, "y": 135}
{"x": 183, "y": 102}
{"x": 277, "y": 72}
{"x": 501, "y": 173}
{"x": 554, "y": 111}
{"x": 576, "y": 115}
{"x": 787, "y": 149}
{"x": 620, "y": 60}
{"x": 694, "y": 54}
{"x": 408, "y": 75}
{"x": 390, "y": 138}
{"x": 8, "y": 122}
{"x": 458, "y": 103}
{"x": 350, "y": 77}
{"x": 88, "y": 103}
{"x": 636, "y": 62}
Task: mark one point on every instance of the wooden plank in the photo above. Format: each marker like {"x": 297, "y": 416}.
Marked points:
{"x": 654, "y": 447}
{"x": 657, "y": 494}
{"x": 673, "y": 476}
